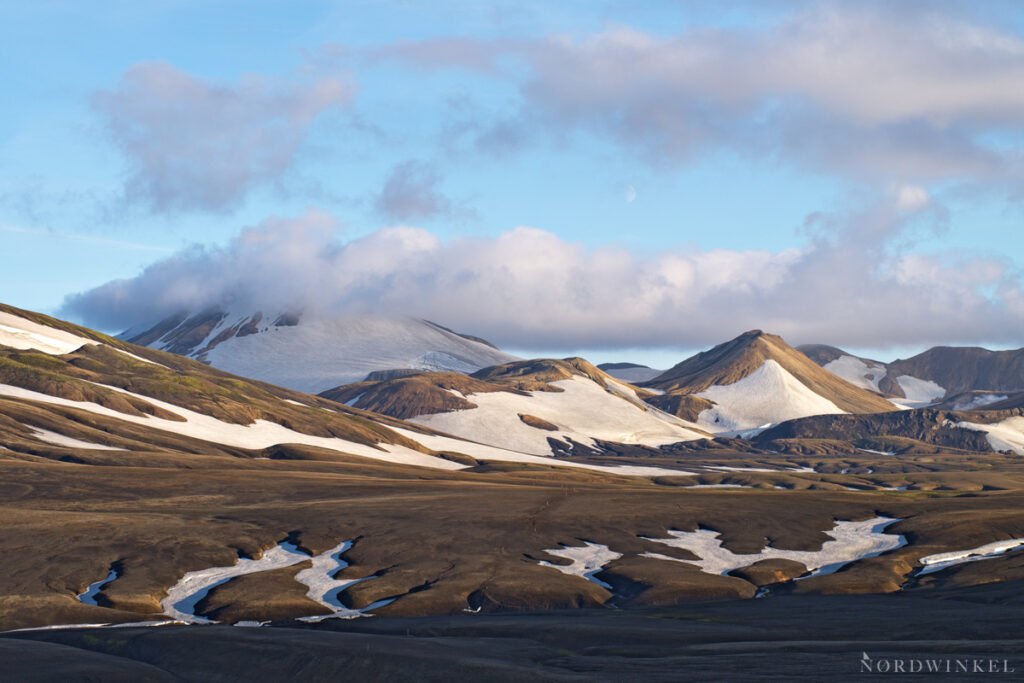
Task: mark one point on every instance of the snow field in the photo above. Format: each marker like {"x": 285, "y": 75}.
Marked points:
{"x": 583, "y": 411}
{"x": 765, "y": 397}
{"x": 857, "y": 372}
{"x": 920, "y": 391}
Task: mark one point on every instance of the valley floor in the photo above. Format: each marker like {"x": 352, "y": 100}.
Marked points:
{"x": 786, "y": 638}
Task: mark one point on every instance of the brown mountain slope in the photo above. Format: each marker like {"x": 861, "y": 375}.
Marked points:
{"x": 960, "y": 369}
{"x": 732, "y": 361}
{"x": 422, "y": 393}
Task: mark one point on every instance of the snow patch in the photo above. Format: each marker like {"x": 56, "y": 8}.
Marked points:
{"x": 940, "y": 561}
{"x": 851, "y": 541}
{"x": 1007, "y": 435}
{"x": 868, "y": 450}
{"x": 23, "y": 334}
{"x": 67, "y": 441}
{"x": 920, "y": 390}
{"x": 768, "y": 395}
{"x": 587, "y": 560}
{"x": 857, "y": 372}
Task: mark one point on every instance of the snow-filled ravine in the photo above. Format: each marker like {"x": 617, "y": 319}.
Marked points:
{"x": 323, "y": 588}
{"x": 587, "y": 560}
{"x": 582, "y": 411}
{"x": 769, "y": 395}
{"x": 851, "y": 541}
{"x": 326, "y": 589}
{"x": 940, "y": 561}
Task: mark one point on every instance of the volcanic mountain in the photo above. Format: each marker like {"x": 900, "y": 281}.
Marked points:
{"x": 541, "y": 407}
{"x": 942, "y": 372}
{"x": 313, "y": 352}
{"x": 755, "y": 380}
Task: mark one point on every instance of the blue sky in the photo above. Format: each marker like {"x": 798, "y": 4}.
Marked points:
{"x": 849, "y": 173}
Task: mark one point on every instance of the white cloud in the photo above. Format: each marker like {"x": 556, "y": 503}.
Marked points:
{"x": 528, "y": 288}
{"x": 192, "y": 143}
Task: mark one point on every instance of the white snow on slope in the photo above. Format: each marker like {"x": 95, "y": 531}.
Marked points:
{"x": 67, "y": 441}
{"x": 485, "y": 452}
{"x": 940, "y": 561}
{"x": 920, "y": 390}
{"x": 586, "y": 560}
{"x": 182, "y": 597}
{"x": 1007, "y": 435}
{"x": 851, "y": 541}
{"x": 260, "y": 434}
{"x": 21, "y": 333}
{"x": 766, "y": 396}
{"x": 583, "y": 411}
{"x": 857, "y": 372}
{"x": 322, "y": 353}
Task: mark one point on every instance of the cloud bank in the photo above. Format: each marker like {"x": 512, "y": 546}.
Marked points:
{"x": 527, "y": 288}
{"x": 196, "y": 144}
{"x": 901, "y": 91}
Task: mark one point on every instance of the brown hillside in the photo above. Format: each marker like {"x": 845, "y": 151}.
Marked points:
{"x": 960, "y": 369}
{"x": 423, "y": 393}
{"x": 426, "y": 393}
{"x": 732, "y": 361}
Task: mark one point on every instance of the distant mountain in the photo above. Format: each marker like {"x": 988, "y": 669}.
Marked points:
{"x": 754, "y": 380}
{"x": 311, "y": 353}
{"x": 936, "y": 374}
{"x": 630, "y": 372}
{"x": 543, "y": 407}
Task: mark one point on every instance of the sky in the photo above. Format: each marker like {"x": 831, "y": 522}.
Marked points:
{"x": 620, "y": 180}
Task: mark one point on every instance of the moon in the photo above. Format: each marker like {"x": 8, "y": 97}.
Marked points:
{"x": 630, "y": 192}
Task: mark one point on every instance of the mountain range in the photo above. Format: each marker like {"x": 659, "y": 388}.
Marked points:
{"x": 535, "y": 484}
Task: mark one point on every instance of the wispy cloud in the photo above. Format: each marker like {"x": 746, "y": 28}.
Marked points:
{"x": 82, "y": 237}
{"x": 883, "y": 92}
{"x": 193, "y": 143}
